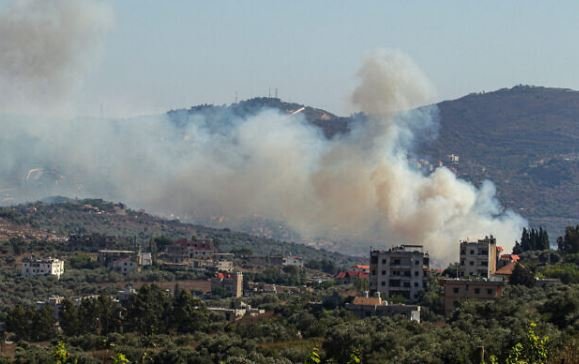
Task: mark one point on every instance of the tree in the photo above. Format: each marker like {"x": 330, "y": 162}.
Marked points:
{"x": 569, "y": 243}
{"x": 19, "y": 321}
{"x": 532, "y": 351}
{"x": 314, "y": 357}
{"x": 43, "y": 323}
{"x": 532, "y": 239}
{"x": 60, "y": 353}
{"x": 187, "y": 315}
{"x": 149, "y": 310}
{"x": 69, "y": 318}
{"x": 120, "y": 358}
{"x": 522, "y": 276}
{"x": 525, "y": 240}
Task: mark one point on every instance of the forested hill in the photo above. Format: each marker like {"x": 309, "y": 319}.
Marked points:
{"x": 525, "y": 139}
{"x": 222, "y": 115}
{"x": 56, "y": 219}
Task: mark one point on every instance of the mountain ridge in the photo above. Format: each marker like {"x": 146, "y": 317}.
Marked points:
{"x": 522, "y": 138}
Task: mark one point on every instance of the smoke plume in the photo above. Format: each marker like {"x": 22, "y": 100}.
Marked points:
{"x": 357, "y": 187}
{"x": 45, "y": 47}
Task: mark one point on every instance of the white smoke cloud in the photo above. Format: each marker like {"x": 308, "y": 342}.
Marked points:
{"x": 45, "y": 47}
{"x": 355, "y": 187}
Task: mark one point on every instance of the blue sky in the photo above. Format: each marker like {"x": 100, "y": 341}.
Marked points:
{"x": 168, "y": 54}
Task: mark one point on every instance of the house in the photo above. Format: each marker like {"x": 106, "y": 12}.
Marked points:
{"x": 478, "y": 258}
{"x": 123, "y": 261}
{"x": 107, "y": 256}
{"x": 146, "y": 259}
{"x": 400, "y": 271}
{"x": 458, "y": 290}
{"x": 184, "y": 250}
{"x": 361, "y": 268}
{"x": 293, "y": 261}
{"x": 504, "y": 273}
{"x": 349, "y": 277}
{"x": 230, "y": 283}
{"x": 365, "y": 306}
{"x": 241, "y": 310}
{"x": 125, "y": 265}
{"x": 42, "y": 267}
{"x": 505, "y": 259}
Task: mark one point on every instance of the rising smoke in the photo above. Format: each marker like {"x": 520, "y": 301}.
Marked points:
{"x": 45, "y": 48}
{"x": 356, "y": 187}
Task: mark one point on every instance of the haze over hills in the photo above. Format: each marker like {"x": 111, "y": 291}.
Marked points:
{"x": 273, "y": 174}
{"x": 524, "y": 139}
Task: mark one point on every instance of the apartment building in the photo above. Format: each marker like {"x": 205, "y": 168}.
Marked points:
{"x": 400, "y": 271}
{"x": 458, "y": 290}
{"x": 478, "y": 258}
{"x": 42, "y": 267}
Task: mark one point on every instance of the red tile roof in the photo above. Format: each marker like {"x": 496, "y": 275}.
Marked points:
{"x": 352, "y": 274}
{"x": 510, "y": 257}
{"x": 507, "y": 270}
{"x": 367, "y": 301}
{"x": 361, "y": 267}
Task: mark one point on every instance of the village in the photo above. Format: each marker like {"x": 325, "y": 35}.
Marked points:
{"x": 389, "y": 283}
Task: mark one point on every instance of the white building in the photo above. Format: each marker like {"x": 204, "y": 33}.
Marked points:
{"x": 293, "y": 261}
{"x": 42, "y": 267}
{"x": 146, "y": 259}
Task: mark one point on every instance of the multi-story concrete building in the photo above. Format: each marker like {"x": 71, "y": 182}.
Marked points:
{"x": 184, "y": 250}
{"x": 458, "y": 290}
{"x": 42, "y": 267}
{"x": 400, "y": 271}
{"x": 478, "y": 258}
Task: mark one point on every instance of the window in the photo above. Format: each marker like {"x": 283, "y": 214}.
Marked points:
{"x": 383, "y": 261}
{"x": 416, "y": 273}
{"x": 396, "y": 261}
{"x": 383, "y": 272}
{"x": 383, "y": 283}
{"x": 489, "y": 291}
{"x": 477, "y": 291}
{"x": 415, "y": 284}
{"x": 406, "y": 284}
{"x": 417, "y": 262}
{"x": 471, "y": 262}
{"x": 484, "y": 263}
{"x": 472, "y": 252}
{"x": 373, "y": 272}
{"x": 455, "y": 290}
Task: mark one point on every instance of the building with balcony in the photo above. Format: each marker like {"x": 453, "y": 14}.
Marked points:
{"x": 400, "y": 271}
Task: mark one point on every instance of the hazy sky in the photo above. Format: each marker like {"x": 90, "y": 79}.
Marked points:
{"x": 169, "y": 54}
